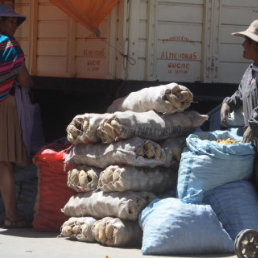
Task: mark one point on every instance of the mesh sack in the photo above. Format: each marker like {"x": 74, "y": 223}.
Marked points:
{"x": 115, "y": 232}
{"x": 135, "y": 152}
{"x": 53, "y": 191}
{"x": 149, "y": 125}
{"x": 78, "y": 228}
{"x": 83, "y": 128}
{"x": 125, "y": 205}
{"x": 83, "y": 178}
{"x": 168, "y": 99}
{"x": 119, "y": 179}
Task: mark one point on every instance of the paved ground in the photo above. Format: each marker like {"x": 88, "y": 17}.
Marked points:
{"x": 27, "y": 243}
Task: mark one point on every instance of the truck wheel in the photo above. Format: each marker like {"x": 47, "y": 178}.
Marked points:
{"x": 246, "y": 244}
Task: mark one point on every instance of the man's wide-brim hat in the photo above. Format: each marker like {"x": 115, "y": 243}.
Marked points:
{"x": 7, "y": 11}
{"x": 251, "y": 32}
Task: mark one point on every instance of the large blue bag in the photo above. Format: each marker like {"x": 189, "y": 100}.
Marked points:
{"x": 236, "y": 205}
{"x": 173, "y": 227}
{"x": 206, "y": 164}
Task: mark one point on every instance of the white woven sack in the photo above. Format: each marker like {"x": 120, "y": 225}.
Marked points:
{"x": 119, "y": 179}
{"x": 79, "y": 228}
{"x": 148, "y": 125}
{"x": 173, "y": 148}
{"x": 83, "y": 128}
{"x": 169, "y": 98}
{"x": 115, "y": 232}
{"x": 125, "y": 205}
{"x": 83, "y": 178}
{"x": 135, "y": 152}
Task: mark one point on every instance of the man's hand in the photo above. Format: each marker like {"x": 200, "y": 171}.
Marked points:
{"x": 248, "y": 135}
{"x": 224, "y": 113}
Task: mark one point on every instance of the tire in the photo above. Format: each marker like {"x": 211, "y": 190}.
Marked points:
{"x": 246, "y": 244}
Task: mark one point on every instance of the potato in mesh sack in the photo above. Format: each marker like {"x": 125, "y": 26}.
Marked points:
{"x": 169, "y": 98}
{"x": 173, "y": 148}
{"x": 78, "y": 228}
{"x": 149, "y": 125}
{"x": 119, "y": 179}
{"x": 126, "y": 205}
{"x": 135, "y": 152}
{"x": 115, "y": 232}
{"x": 83, "y": 128}
{"x": 83, "y": 178}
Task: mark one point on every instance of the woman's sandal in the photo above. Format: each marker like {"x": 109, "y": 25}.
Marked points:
{"x": 15, "y": 223}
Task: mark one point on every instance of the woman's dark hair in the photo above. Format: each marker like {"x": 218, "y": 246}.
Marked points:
{"x": 250, "y": 41}
{"x": 4, "y": 18}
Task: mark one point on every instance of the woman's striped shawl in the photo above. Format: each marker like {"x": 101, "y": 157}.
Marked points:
{"x": 11, "y": 58}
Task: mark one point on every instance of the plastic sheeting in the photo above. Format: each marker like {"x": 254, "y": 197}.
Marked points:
{"x": 88, "y": 13}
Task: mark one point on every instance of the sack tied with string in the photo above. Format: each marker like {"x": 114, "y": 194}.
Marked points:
{"x": 83, "y": 178}
{"x": 207, "y": 163}
{"x": 79, "y": 229}
{"x": 135, "y": 152}
{"x": 169, "y": 98}
{"x": 126, "y": 205}
{"x": 83, "y": 128}
{"x": 148, "y": 125}
{"x": 116, "y": 232}
{"x": 128, "y": 178}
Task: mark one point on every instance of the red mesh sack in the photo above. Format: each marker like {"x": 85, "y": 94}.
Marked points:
{"x": 53, "y": 192}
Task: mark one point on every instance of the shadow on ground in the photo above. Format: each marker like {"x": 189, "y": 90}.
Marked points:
{"x": 28, "y": 232}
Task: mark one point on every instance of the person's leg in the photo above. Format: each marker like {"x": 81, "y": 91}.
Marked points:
{"x": 8, "y": 191}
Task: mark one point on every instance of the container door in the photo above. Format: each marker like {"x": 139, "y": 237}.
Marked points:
{"x": 56, "y": 45}
{"x": 230, "y": 16}
{"x": 167, "y": 39}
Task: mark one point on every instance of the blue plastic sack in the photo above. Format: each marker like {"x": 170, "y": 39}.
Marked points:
{"x": 206, "y": 164}
{"x": 236, "y": 205}
{"x": 173, "y": 227}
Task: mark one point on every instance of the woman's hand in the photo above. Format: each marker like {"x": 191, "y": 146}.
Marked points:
{"x": 23, "y": 77}
{"x": 224, "y": 113}
{"x": 248, "y": 135}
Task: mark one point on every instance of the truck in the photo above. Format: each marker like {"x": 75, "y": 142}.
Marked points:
{"x": 140, "y": 43}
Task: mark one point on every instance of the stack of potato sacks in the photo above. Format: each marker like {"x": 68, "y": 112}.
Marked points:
{"x": 124, "y": 159}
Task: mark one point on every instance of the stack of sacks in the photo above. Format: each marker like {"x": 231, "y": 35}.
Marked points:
{"x": 215, "y": 199}
{"x": 129, "y": 156}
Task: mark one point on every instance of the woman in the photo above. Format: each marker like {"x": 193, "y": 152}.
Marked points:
{"x": 12, "y": 149}
{"x": 247, "y": 93}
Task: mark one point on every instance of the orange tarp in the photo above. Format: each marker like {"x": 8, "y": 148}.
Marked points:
{"x": 87, "y": 12}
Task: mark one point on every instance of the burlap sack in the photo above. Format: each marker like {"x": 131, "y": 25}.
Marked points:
{"x": 119, "y": 179}
{"x": 79, "y": 228}
{"x": 135, "y": 152}
{"x": 115, "y": 232}
{"x": 83, "y": 178}
{"x": 148, "y": 125}
{"x": 125, "y": 205}
{"x": 169, "y": 98}
{"x": 82, "y": 128}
